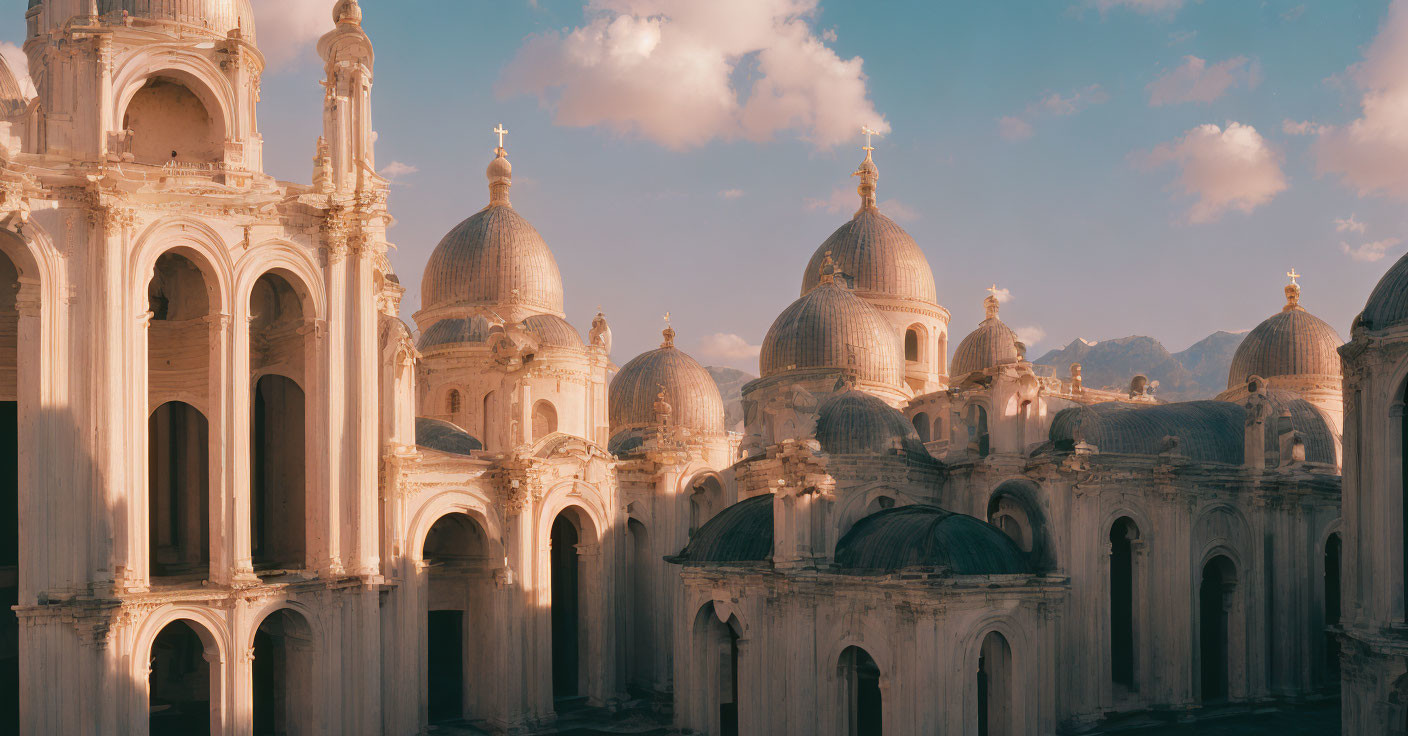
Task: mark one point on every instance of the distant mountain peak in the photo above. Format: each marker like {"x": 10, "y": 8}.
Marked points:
{"x": 1200, "y": 372}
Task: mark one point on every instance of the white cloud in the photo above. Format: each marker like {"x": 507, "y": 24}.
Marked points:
{"x": 846, "y": 201}
{"x": 1370, "y": 154}
{"x": 395, "y": 170}
{"x": 727, "y": 347}
{"x": 669, "y": 71}
{"x": 898, "y": 210}
{"x": 288, "y": 29}
{"x": 1369, "y": 252}
{"x": 1003, "y": 295}
{"x": 1302, "y": 127}
{"x": 1349, "y": 225}
{"x": 1148, "y": 7}
{"x": 1052, "y": 104}
{"x": 1195, "y": 81}
{"x": 1225, "y": 169}
{"x": 1030, "y": 335}
{"x": 19, "y": 67}
{"x": 731, "y": 194}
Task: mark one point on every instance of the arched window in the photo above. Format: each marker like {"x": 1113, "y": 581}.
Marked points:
{"x": 995, "y": 687}
{"x": 566, "y": 623}
{"x": 921, "y": 426}
{"x": 1214, "y": 603}
{"x": 284, "y": 675}
{"x": 487, "y": 425}
{"x": 864, "y": 703}
{"x": 544, "y": 419}
{"x": 452, "y": 404}
{"x": 640, "y": 575}
{"x": 458, "y": 664}
{"x": 1122, "y": 641}
{"x": 911, "y": 345}
{"x": 170, "y": 123}
{"x": 715, "y": 652}
{"x": 180, "y": 685}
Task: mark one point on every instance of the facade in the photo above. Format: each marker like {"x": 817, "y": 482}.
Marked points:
{"x": 249, "y": 499}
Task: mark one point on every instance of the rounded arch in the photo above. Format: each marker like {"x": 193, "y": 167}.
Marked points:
{"x": 922, "y": 423}
{"x": 291, "y": 263}
{"x": 579, "y": 495}
{"x": 544, "y": 419}
{"x": 865, "y": 501}
{"x": 1134, "y": 513}
{"x": 1015, "y": 506}
{"x": 199, "y": 75}
{"x": 305, "y": 617}
{"x": 870, "y": 638}
{"x": 1018, "y": 649}
{"x": 444, "y": 504}
{"x": 1221, "y": 526}
{"x": 212, "y": 631}
{"x": 916, "y": 343}
{"x": 197, "y": 242}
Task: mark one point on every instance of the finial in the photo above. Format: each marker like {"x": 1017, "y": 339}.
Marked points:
{"x": 1292, "y": 292}
{"x": 868, "y": 172}
{"x": 347, "y": 11}
{"x": 662, "y": 408}
{"x": 828, "y": 270}
{"x": 991, "y": 303}
{"x": 668, "y": 333}
{"x": 500, "y": 130}
{"x": 500, "y": 172}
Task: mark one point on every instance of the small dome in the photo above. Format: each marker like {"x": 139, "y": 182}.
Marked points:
{"x": 454, "y": 331}
{"x": 740, "y": 533}
{"x": 553, "y": 331}
{"x": 992, "y": 344}
{"x": 1388, "y": 302}
{"x": 445, "y": 437}
{"x": 856, "y": 423}
{"x": 494, "y": 258}
{"x": 927, "y": 536}
{"x": 831, "y": 327}
{"x": 347, "y": 11}
{"x": 1292, "y": 342}
{"x": 216, "y": 16}
{"x": 12, "y": 97}
{"x": 687, "y": 386}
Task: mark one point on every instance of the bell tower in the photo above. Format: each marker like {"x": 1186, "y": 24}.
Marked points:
{"x": 347, "y": 103}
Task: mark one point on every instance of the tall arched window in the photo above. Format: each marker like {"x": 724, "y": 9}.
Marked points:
{"x": 170, "y": 123}
{"x": 911, "y": 345}
{"x": 544, "y": 419}
{"x": 452, "y": 404}
{"x": 921, "y": 426}
{"x": 459, "y": 584}
{"x": 995, "y": 687}
{"x": 1214, "y": 603}
{"x": 1122, "y": 643}
{"x": 180, "y": 684}
{"x": 487, "y": 425}
{"x": 864, "y": 702}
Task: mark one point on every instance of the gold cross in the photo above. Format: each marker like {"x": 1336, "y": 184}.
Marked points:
{"x": 993, "y": 290}
{"x": 866, "y": 131}
{"x": 1292, "y": 273}
{"x": 500, "y": 130}
{"x": 667, "y": 318}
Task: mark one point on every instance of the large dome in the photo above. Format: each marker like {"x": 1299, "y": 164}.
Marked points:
{"x": 924, "y": 536}
{"x": 216, "y": 16}
{"x": 856, "y": 423}
{"x": 1293, "y": 342}
{"x": 878, "y": 256}
{"x": 690, "y": 391}
{"x": 1388, "y": 302}
{"x": 831, "y": 327}
{"x": 494, "y": 258}
{"x": 992, "y": 344}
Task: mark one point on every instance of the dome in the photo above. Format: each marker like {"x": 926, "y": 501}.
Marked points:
{"x": 1293, "y": 342}
{"x": 927, "y": 536}
{"x": 454, "y": 331}
{"x": 856, "y": 423}
{"x": 831, "y": 327}
{"x": 12, "y": 98}
{"x": 740, "y": 533}
{"x": 877, "y": 255}
{"x": 992, "y": 344}
{"x": 217, "y": 16}
{"x": 688, "y": 388}
{"x": 494, "y": 258}
{"x": 1388, "y": 302}
{"x": 445, "y": 437}
{"x": 553, "y": 331}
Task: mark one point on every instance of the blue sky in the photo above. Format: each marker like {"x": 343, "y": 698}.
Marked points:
{"x": 1084, "y": 203}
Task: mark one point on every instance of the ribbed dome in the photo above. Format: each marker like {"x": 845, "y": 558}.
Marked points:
{"x": 217, "y": 16}
{"x": 12, "y": 100}
{"x": 494, "y": 258}
{"x": 445, "y": 437}
{"x": 927, "y": 536}
{"x": 1388, "y": 302}
{"x": 1292, "y": 342}
{"x": 992, "y": 344}
{"x": 831, "y": 327}
{"x": 554, "y": 331}
{"x": 740, "y": 533}
{"x": 454, "y": 331}
{"x": 856, "y": 423}
{"x": 690, "y": 391}
{"x": 879, "y": 256}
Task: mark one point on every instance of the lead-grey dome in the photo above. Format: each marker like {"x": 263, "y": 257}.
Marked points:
{"x": 832, "y": 328}
{"x": 454, "y": 331}
{"x": 1293, "y": 342}
{"x": 925, "y": 536}
{"x": 688, "y": 388}
{"x": 1388, "y": 302}
{"x": 740, "y": 533}
{"x": 494, "y": 258}
{"x": 992, "y": 344}
{"x": 857, "y": 423}
{"x": 445, "y": 437}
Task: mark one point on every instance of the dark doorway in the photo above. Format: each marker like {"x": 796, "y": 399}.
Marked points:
{"x": 565, "y": 624}
{"x": 728, "y": 712}
{"x": 1122, "y": 535}
{"x": 179, "y": 700}
{"x": 1332, "y": 608}
{"x": 1213, "y": 599}
{"x": 283, "y": 675}
{"x": 446, "y": 665}
{"x": 995, "y": 686}
{"x": 640, "y": 644}
{"x": 178, "y": 506}
{"x": 277, "y": 515}
{"x": 9, "y": 567}
{"x": 862, "y": 677}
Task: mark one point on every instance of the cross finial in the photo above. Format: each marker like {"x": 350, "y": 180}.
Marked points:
{"x": 993, "y": 290}
{"x": 667, "y": 318}
{"x": 500, "y": 130}
{"x": 1293, "y": 275}
{"x": 867, "y": 131}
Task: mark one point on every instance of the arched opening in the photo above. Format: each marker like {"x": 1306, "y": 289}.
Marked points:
{"x": 544, "y": 419}
{"x": 911, "y": 345}
{"x": 1007, "y": 514}
{"x": 180, "y": 683}
{"x": 284, "y": 676}
{"x": 486, "y": 421}
{"x": 921, "y": 426}
{"x": 864, "y": 706}
{"x": 179, "y": 349}
{"x": 279, "y": 360}
{"x": 941, "y": 355}
{"x": 972, "y": 431}
{"x": 1016, "y": 509}
{"x": 995, "y": 687}
{"x": 705, "y": 499}
{"x": 641, "y": 618}
{"x": 1332, "y": 608}
{"x": 460, "y": 583}
{"x": 1123, "y": 533}
{"x": 452, "y": 405}
{"x": 9, "y": 495}
{"x": 178, "y": 502}
{"x": 1214, "y": 602}
{"x": 716, "y": 662}
{"x": 168, "y": 122}
{"x": 566, "y": 623}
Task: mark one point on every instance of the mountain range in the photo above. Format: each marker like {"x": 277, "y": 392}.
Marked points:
{"x": 1200, "y": 372}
